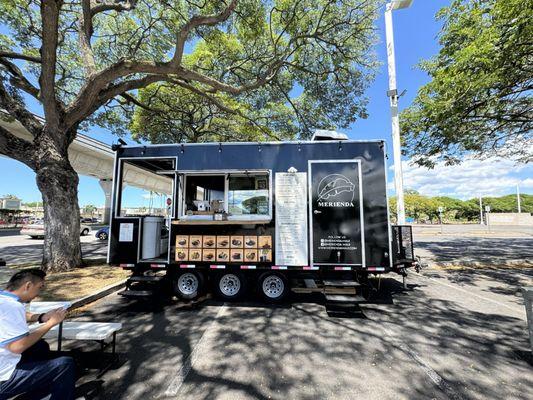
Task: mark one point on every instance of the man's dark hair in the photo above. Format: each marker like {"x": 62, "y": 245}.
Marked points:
{"x": 20, "y": 278}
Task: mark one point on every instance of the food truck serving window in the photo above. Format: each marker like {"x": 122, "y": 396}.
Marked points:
{"x": 248, "y": 195}
{"x": 227, "y": 196}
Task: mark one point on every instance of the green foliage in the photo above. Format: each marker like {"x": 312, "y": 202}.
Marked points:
{"x": 479, "y": 97}
{"x": 175, "y": 114}
{"x": 33, "y": 204}
{"x": 424, "y": 208}
{"x": 320, "y": 54}
{"x": 307, "y": 62}
{"x": 89, "y": 209}
{"x": 508, "y": 203}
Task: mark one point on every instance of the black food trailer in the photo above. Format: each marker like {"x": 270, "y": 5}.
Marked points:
{"x": 276, "y": 216}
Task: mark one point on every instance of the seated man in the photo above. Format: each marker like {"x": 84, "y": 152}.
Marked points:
{"x": 24, "y": 363}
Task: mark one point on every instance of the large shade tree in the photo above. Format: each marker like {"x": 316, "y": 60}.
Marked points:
{"x": 84, "y": 61}
{"x": 479, "y": 100}
{"x": 167, "y": 113}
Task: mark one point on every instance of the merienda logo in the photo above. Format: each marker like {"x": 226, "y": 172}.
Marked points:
{"x": 337, "y": 190}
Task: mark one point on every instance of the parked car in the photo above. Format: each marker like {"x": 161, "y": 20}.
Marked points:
{"x": 102, "y": 233}
{"x": 37, "y": 230}
{"x": 89, "y": 220}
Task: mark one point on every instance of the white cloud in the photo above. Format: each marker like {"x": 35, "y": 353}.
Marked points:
{"x": 151, "y": 195}
{"x": 471, "y": 178}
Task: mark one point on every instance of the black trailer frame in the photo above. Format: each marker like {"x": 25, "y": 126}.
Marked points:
{"x": 351, "y": 182}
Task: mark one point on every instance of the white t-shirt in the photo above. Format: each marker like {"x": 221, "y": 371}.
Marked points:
{"x": 13, "y": 326}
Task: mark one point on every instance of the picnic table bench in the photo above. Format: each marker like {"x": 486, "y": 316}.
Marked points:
{"x": 76, "y": 330}
{"x": 94, "y": 331}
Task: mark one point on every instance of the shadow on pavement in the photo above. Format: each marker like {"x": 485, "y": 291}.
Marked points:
{"x": 507, "y": 282}
{"x": 483, "y": 250}
{"x": 257, "y": 351}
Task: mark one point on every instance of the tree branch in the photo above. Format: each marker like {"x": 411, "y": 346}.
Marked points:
{"x": 90, "y": 92}
{"x": 223, "y": 87}
{"x": 9, "y": 54}
{"x": 228, "y": 110}
{"x": 115, "y": 5}
{"x": 110, "y": 93}
{"x": 211, "y": 99}
{"x": 85, "y": 31}
{"x": 50, "y": 23}
{"x": 16, "y": 109}
{"x": 18, "y": 79}
{"x": 131, "y": 99}
{"x": 16, "y": 148}
{"x": 195, "y": 22}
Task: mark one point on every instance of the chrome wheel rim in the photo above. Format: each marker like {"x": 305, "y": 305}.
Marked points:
{"x": 273, "y": 286}
{"x": 188, "y": 283}
{"x": 229, "y": 285}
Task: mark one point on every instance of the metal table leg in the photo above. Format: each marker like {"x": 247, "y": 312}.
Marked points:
{"x": 114, "y": 342}
{"x": 59, "y": 336}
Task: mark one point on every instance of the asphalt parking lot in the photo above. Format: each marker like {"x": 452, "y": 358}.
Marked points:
{"x": 474, "y": 244}
{"x": 450, "y": 335}
{"x": 18, "y": 249}
{"x": 453, "y": 334}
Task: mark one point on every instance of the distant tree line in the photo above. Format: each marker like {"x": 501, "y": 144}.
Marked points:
{"x": 426, "y": 209}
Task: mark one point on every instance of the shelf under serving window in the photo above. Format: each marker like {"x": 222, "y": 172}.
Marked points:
{"x": 229, "y": 221}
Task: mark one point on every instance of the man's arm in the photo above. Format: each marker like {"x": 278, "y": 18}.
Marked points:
{"x": 20, "y": 345}
{"x": 35, "y": 317}
{"x": 32, "y": 317}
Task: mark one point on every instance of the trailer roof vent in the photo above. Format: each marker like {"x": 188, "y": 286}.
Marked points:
{"x": 322, "y": 134}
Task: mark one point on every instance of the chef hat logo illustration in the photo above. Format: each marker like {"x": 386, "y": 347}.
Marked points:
{"x": 336, "y": 187}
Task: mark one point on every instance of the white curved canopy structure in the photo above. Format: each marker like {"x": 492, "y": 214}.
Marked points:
{"x": 91, "y": 157}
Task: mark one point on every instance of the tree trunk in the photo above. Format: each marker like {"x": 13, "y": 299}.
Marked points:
{"x": 58, "y": 183}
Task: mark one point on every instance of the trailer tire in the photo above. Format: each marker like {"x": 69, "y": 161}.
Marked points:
{"x": 230, "y": 286}
{"x": 273, "y": 286}
{"x": 188, "y": 285}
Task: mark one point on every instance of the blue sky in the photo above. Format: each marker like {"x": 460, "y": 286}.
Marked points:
{"x": 415, "y": 39}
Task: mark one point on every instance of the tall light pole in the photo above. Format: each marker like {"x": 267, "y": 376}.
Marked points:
{"x": 393, "y": 96}
{"x": 480, "y": 211}
{"x": 518, "y": 198}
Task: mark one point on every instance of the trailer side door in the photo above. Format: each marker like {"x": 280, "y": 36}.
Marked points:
{"x": 336, "y": 213}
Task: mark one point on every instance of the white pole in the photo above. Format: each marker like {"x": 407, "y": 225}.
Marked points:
{"x": 480, "y": 211}
{"x": 518, "y": 198}
{"x": 393, "y": 95}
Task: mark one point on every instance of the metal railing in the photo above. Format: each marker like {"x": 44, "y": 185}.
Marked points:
{"x": 402, "y": 243}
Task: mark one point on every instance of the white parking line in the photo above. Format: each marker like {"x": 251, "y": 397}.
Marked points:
{"x": 438, "y": 380}
{"x": 471, "y": 294}
{"x": 178, "y": 379}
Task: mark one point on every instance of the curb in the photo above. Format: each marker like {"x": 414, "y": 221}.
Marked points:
{"x": 97, "y": 295}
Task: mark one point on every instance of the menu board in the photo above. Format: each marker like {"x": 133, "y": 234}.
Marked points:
{"x": 291, "y": 218}
{"x": 125, "y": 233}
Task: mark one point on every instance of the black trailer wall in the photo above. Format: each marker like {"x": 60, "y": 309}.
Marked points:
{"x": 279, "y": 157}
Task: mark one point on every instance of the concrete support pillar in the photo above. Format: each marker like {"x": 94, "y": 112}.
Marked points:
{"x": 107, "y": 186}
